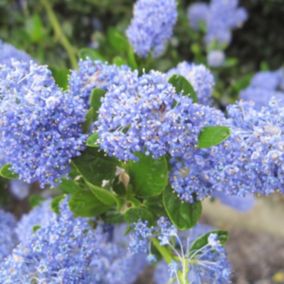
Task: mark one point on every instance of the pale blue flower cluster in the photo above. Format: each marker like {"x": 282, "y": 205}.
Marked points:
{"x": 7, "y": 233}
{"x": 220, "y": 18}
{"x": 40, "y": 125}
{"x": 208, "y": 264}
{"x": 152, "y": 26}
{"x": 7, "y": 52}
{"x": 199, "y": 77}
{"x": 216, "y": 58}
{"x": 134, "y": 116}
{"x": 93, "y": 74}
{"x": 64, "y": 249}
{"x": 263, "y": 86}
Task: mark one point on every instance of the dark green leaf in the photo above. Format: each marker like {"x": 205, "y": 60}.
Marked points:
{"x": 61, "y": 77}
{"x": 92, "y": 140}
{"x": 95, "y": 100}
{"x": 148, "y": 176}
{"x": 183, "y": 86}
{"x": 213, "y": 135}
{"x": 7, "y": 173}
{"x": 95, "y": 166}
{"x": 85, "y": 204}
{"x": 35, "y": 200}
{"x": 133, "y": 215}
{"x": 105, "y": 196}
{"x": 182, "y": 214}
{"x": 55, "y": 204}
{"x": 117, "y": 40}
{"x": 203, "y": 240}
{"x": 69, "y": 186}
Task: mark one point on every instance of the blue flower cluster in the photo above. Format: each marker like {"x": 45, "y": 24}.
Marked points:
{"x": 40, "y": 126}
{"x": 7, "y": 52}
{"x": 220, "y": 18}
{"x": 7, "y": 233}
{"x": 208, "y": 264}
{"x": 19, "y": 189}
{"x": 70, "y": 250}
{"x": 263, "y": 86}
{"x": 152, "y": 26}
{"x": 200, "y": 78}
{"x": 93, "y": 74}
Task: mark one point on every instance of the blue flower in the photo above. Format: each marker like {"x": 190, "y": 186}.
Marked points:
{"x": 152, "y": 26}
{"x": 263, "y": 86}
{"x": 7, "y": 52}
{"x": 7, "y": 234}
{"x": 220, "y": 18}
{"x": 71, "y": 250}
{"x": 215, "y": 58}
{"x": 19, "y": 189}
{"x": 93, "y": 74}
{"x": 40, "y": 125}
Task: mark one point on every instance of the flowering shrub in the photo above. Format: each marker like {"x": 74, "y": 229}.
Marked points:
{"x": 125, "y": 148}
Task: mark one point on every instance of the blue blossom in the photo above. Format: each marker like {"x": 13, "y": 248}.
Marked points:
{"x": 134, "y": 116}
{"x": 208, "y": 264}
{"x": 263, "y": 86}
{"x": 93, "y": 74}
{"x": 215, "y": 58}
{"x": 7, "y": 233}
{"x": 251, "y": 160}
{"x": 220, "y": 17}
{"x": 19, "y": 189}
{"x": 197, "y": 15}
{"x": 140, "y": 237}
{"x": 40, "y": 124}
{"x": 7, "y": 52}
{"x": 39, "y": 217}
{"x": 152, "y": 26}
{"x": 70, "y": 250}
{"x": 200, "y": 78}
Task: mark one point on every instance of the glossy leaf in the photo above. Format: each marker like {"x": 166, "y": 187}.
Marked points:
{"x": 182, "y": 214}
{"x": 148, "y": 176}
{"x": 7, "y": 173}
{"x": 183, "y": 86}
{"x": 213, "y": 135}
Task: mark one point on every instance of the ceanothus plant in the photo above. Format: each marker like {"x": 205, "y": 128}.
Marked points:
{"x": 130, "y": 154}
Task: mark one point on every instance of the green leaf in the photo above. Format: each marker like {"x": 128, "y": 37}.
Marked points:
{"x": 69, "y": 186}
{"x": 203, "y": 240}
{"x": 85, "y": 204}
{"x": 117, "y": 40}
{"x": 119, "y": 61}
{"x": 90, "y": 53}
{"x": 95, "y": 166}
{"x": 92, "y": 140}
{"x": 61, "y": 77}
{"x": 133, "y": 215}
{"x": 131, "y": 58}
{"x": 183, "y": 86}
{"x": 7, "y": 173}
{"x": 34, "y": 28}
{"x": 213, "y": 135}
{"x": 35, "y": 200}
{"x": 95, "y": 100}
{"x": 163, "y": 250}
{"x": 103, "y": 195}
{"x": 148, "y": 176}
{"x": 55, "y": 203}
{"x": 182, "y": 214}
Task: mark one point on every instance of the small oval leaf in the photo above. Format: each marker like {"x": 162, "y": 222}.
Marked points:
{"x": 213, "y": 135}
{"x": 182, "y": 214}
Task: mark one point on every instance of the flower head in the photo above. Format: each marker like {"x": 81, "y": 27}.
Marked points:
{"x": 152, "y": 26}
